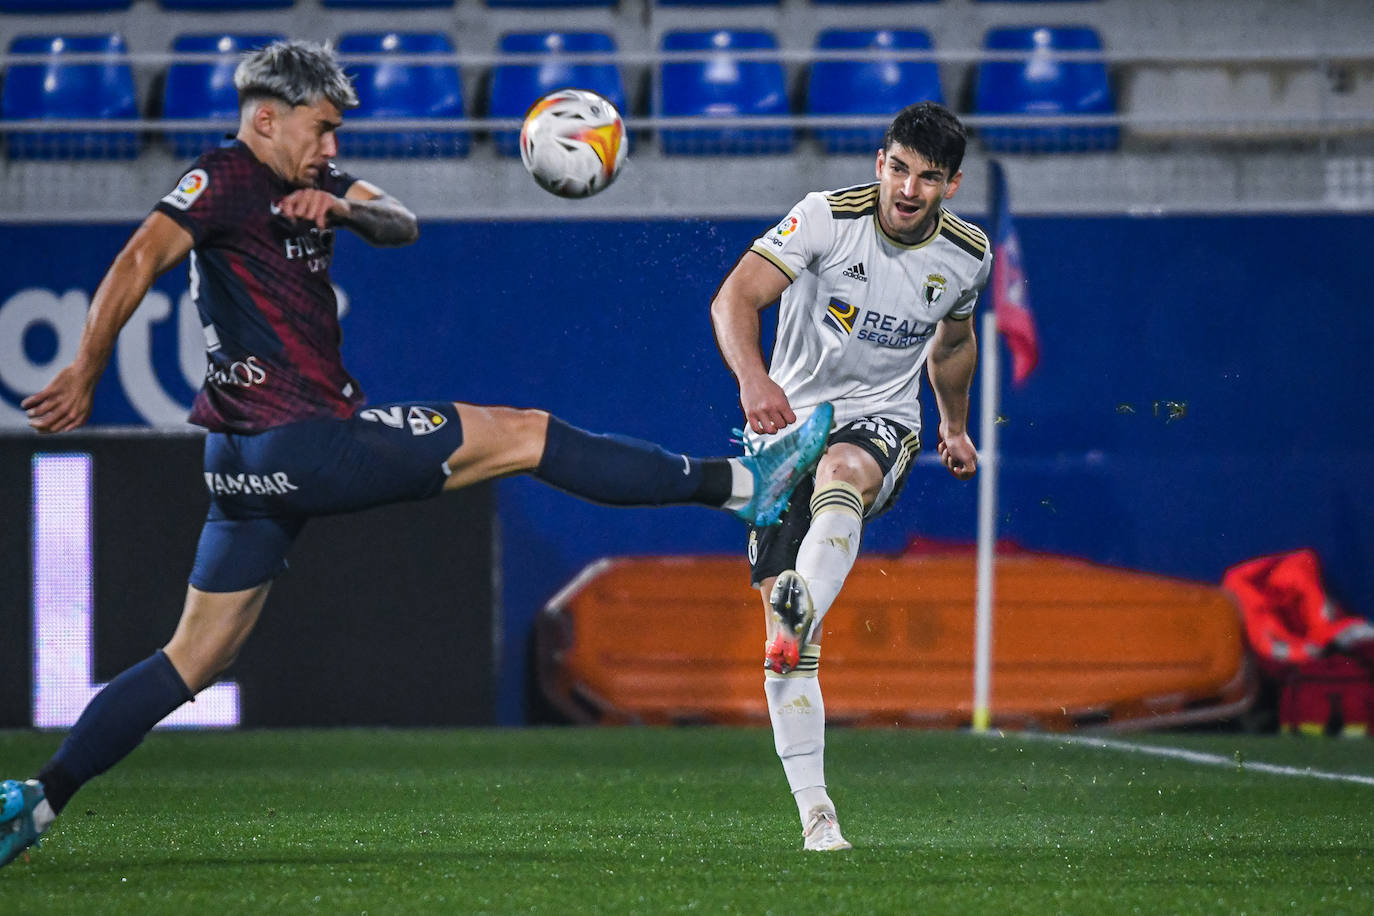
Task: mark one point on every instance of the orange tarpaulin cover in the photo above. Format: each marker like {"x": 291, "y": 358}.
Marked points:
{"x": 680, "y": 639}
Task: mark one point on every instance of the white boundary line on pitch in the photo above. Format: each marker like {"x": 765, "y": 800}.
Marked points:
{"x": 1198, "y": 757}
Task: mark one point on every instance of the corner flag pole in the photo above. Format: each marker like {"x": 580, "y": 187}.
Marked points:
{"x": 987, "y": 522}
{"x": 1010, "y": 316}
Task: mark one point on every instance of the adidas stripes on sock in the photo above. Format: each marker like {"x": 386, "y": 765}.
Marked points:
{"x": 797, "y": 712}
{"x": 831, "y": 545}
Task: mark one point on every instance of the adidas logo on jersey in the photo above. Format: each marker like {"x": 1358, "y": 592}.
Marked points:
{"x": 856, "y": 272}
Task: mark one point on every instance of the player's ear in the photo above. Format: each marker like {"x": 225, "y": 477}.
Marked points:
{"x": 953, "y": 184}
{"x": 878, "y": 169}
{"x": 262, "y": 118}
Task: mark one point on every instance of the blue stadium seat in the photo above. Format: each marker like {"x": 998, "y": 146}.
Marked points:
{"x": 385, "y": 4}
{"x": 205, "y": 89}
{"x": 875, "y": 86}
{"x": 56, "y": 90}
{"x": 548, "y": 4}
{"x": 1043, "y": 85}
{"x": 514, "y": 87}
{"x": 727, "y": 84}
{"x": 61, "y": 6}
{"x": 717, "y": 2}
{"x": 218, "y": 5}
{"x": 403, "y": 90}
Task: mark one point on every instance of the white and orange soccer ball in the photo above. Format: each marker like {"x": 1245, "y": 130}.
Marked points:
{"x": 573, "y": 142}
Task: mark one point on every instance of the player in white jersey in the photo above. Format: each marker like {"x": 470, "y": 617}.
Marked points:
{"x": 876, "y": 281}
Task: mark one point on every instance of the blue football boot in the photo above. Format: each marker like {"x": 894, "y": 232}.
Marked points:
{"x": 17, "y": 830}
{"x": 782, "y": 464}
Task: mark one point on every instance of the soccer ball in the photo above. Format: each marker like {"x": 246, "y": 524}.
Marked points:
{"x": 573, "y": 142}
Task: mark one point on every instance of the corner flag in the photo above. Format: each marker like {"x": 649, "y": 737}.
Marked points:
{"x": 1010, "y": 300}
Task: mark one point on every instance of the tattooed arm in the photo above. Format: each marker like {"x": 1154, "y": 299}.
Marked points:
{"x": 370, "y": 212}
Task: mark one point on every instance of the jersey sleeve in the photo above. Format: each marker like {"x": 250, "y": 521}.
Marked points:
{"x": 963, "y": 306}
{"x": 802, "y": 236}
{"x": 203, "y": 202}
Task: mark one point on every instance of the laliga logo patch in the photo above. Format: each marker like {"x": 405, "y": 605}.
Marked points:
{"x": 934, "y": 288}
{"x": 192, "y": 185}
{"x": 786, "y": 227}
{"x": 753, "y": 546}
{"x": 424, "y": 421}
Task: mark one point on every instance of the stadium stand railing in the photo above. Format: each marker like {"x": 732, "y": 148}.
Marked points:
{"x": 1222, "y": 116}
{"x": 1221, "y": 96}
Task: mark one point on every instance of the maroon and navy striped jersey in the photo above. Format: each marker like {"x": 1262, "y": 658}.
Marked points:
{"x": 261, "y": 284}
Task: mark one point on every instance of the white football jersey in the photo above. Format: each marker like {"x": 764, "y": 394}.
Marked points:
{"x": 854, "y": 326}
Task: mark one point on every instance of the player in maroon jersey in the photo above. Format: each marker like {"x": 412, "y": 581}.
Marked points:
{"x": 288, "y": 438}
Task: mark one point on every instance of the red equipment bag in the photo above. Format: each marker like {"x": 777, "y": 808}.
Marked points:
{"x": 1322, "y": 657}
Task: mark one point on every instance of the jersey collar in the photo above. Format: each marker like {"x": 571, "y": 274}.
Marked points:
{"x": 934, "y": 234}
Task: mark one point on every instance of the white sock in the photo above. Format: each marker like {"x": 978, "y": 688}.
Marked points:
{"x": 831, "y": 545}
{"x": 741, "y": 486}
{"x": 43, "y": 816}
{"x": 798, "y": 715}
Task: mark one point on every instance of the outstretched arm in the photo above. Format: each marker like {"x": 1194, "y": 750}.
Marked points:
{"x": 750, "y": 287}
{"x": 953, "y": 357}
{"x": 65, "y": 403}
{"x": 373, "y": 214}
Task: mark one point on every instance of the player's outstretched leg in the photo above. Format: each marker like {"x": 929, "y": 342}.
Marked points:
{"x": 793, "y": 613}
{"x": 779, "y": 466}
{"x": 621, "y": 471}
{"x": 24, "y": 816}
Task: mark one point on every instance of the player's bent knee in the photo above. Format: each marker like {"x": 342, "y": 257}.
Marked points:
{"x": 841, "y": 466}
{"x": 857, "y": 470}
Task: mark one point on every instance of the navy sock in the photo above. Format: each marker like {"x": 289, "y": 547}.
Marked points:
{"x": 112, "y": 725}
{"x": 621, "y": 471}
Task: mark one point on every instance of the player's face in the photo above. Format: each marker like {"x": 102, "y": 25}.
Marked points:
{"x": 305, "y": 140}
{"x": 910, "y": 191}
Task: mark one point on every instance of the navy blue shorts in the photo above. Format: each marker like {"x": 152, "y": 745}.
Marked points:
{"x": 264, "y": 486}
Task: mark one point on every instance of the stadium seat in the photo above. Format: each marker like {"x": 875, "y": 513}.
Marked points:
{"x": 717, "y": 2}
{"x": 727, "y": 84}
{"x": 198, "y": 90}
{"x": 228, "y": 5}
{"x": 874, "y": 86}
{"x": 1043, "y": 85}
{"x": 545, "y": 4}
{"x": 384, "y": 4}
{"x": 56, "y": 90}
{"x": 61, "y": 6}
{"x": 403, "y": 90}
{"x": 514, "y": 87}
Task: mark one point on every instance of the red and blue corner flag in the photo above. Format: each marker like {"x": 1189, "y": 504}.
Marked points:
{"x": 1010, "y": 301}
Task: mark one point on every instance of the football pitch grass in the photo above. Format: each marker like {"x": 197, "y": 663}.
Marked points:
{"x": 653, "y": 821}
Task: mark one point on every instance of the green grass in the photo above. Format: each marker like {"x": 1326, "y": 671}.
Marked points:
{"x": 662, "y": 821}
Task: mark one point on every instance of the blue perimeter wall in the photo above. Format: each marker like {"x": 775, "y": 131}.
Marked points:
{"x": 1260, "y": 327}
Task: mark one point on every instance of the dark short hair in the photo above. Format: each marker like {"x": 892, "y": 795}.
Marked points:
{"x": 932, "y": 130}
